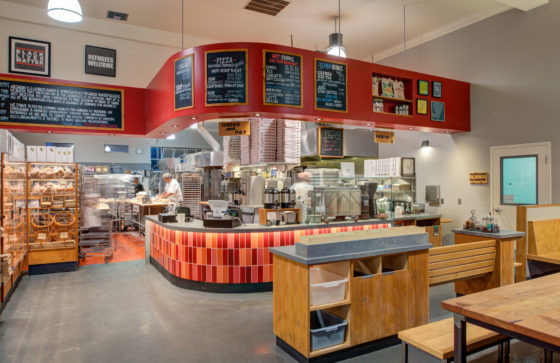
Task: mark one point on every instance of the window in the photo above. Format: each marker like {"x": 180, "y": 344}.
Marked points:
{"x": 158, "y": 153}
{"x": 115, "y": 148}
{"x": 519, "y": 179}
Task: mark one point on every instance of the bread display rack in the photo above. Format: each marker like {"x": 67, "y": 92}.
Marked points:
{"x": 52, "y": 212}
{"x": 14, "y": 222}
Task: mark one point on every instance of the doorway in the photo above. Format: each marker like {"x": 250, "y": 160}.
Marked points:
{"x": 521, "y": 175}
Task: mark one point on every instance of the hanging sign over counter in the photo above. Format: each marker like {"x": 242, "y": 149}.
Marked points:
{"x": 331, "y": 142}
{"x": 478, "y": 178}
{"x": 330, "y": 86}
{"x": 282, "y": 79}
{"x": 235, "y": 128}
{"x": 38, "y": 103}
{"x": 184, "y": 82}
{"x": 226, "y": 77}
{"x": 384, "y": 137}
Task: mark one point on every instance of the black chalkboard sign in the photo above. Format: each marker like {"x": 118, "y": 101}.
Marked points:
{"x": 58, "y": 105}
{"x": 330, "y": 86}
{"x": 331, "y": 142}
{"x": 184, "y": 82}
{"x": 282, "y": 79}
{"x": 226, "y": 77}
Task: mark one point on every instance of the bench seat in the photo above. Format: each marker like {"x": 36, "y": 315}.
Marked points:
{"x": 436, "y": 339}
{"x": 553, "y": 258}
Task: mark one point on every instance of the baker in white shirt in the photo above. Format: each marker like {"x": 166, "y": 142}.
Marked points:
{"x": 172, "y": 190}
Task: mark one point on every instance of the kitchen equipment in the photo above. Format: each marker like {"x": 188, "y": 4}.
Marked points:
{"x": 271, "y": 198}
{"x": 237, "y": 195}
{"x": 285, "y": 198}
{"x": 331, "y": 203}
{"x": 364, "y": 202}
{"x": 289, "y": 217}
{"x": 167, "y": 218}
{"x": 371, "y": 190}
{"x": 220, "y": 217}
{"x": 293, "y": 198}
{"x": 250, "y": 213}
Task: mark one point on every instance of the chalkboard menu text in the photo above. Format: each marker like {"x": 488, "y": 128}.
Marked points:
{"x": 331, "y": 142}
{"x": 184, "y": 82}
{"x": 330, "y": 86}
{"x": 226, "y": 77}
{"x": 31, "y": 103}
{"x": 282, "y": 79}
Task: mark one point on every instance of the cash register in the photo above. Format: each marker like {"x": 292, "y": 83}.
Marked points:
{"x": 221, "y": 216}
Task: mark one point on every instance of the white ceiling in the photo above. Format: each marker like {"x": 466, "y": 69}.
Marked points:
{"x": 371, "y": 28}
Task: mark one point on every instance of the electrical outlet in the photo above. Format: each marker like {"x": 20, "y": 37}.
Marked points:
{"x": 459, "y": 201}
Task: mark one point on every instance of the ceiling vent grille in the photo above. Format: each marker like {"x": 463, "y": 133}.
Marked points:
{"x": 268, "y": 7}
{"x": 115, "y": 15}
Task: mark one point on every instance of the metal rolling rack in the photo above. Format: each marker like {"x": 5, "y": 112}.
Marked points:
{"x": 191, "y": 185}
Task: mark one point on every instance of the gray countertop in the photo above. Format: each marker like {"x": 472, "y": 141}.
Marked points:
{"x": 196, "y": 225}
{"x": 500, "y": 235}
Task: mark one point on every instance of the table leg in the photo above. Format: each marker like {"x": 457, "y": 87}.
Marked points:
{"x": 460, "y": 338}
{"x": 404, "y": 352}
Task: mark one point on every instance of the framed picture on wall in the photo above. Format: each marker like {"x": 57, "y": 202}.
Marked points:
{"x": 421, "y": 106}
{"x": 423, "y": 87}
{"x": 436, "y": 89}
{"x": 28, "y": 56}
{"x": 100, "y": 61}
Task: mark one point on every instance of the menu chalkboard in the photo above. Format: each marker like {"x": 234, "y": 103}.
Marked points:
{"x": 226, "y": 77}
{"x": 330, "y": 86}
{"x": 184, "y": 82}
{"x": 331, "y": 142}
{"x": 282, "y": 79}
{"x": 49, "y": 104}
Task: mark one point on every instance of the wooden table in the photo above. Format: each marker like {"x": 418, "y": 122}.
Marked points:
{"x": 528, "y": 311}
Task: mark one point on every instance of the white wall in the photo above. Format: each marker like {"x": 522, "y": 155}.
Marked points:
{"x": 511, "y": 61}
{"x": 90, "y": 148}
{"x": 141, "y": 52}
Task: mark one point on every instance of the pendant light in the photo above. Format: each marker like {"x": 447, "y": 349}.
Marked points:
{"x": 67, "y": 11}
{"x": 335, "y": 39}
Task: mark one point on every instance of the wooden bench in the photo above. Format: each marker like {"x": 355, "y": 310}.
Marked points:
{"x": 434, "y": 341}
{"x": 544, "y": 241}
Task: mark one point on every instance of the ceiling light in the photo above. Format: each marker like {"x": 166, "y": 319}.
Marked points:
{"x": 67, "y": 11}
{"x": 368, "y": 124}
{"x": 257, "y": 114}
{"x": 411, "y": 128}
{"x": 335, "y": 39}
{"x": 425, "y": 143}
{"x": 194, "y": 118}
{"x": 318, "y": 119}
{"x": 193, "y": 126}
{"x": 171, "y": 137}
{"x": 175, "y": 126}
{"x": 49, "y": 132}
{"x": 163, "y": 132}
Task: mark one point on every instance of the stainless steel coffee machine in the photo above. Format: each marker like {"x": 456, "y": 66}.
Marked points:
{"x": 371, "y": 190}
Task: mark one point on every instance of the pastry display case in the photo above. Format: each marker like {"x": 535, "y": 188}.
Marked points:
{"x": 52, "y": 212}
{"x": 14, "y": 213}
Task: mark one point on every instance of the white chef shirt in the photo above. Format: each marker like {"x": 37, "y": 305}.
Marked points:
{"x": 174, "y": 189}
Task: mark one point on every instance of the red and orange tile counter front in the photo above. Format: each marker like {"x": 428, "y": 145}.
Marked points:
{"x": 229, "y": 260}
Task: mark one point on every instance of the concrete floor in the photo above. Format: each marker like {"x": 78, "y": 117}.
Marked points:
{"x": 127, "y": 312}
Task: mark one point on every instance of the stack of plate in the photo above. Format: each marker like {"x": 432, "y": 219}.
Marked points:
{"x": 289, "y": 141}
{"x": 191, "y": 188}
{"x": 245, "y": 152}
{"x": 263, "y": 141}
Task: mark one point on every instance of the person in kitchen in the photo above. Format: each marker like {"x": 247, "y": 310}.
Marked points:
{"x": 172, "y": 190}
{"x": 138, "y": 187}
{"x": 302, "y": 188}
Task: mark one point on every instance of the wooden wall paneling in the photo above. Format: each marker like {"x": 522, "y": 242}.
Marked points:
{"x": 419, "y": 299}
{"x": 291, "y": 303}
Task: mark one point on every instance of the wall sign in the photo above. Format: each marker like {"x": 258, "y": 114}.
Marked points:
{"x": 331, "y": 142}
{"x": 36, "y": 103}
{"x": 226, "y": 77}
{"x": 235, "y": 128}
{"x": 330, "y": 86}
{"x": 437, "y": 111}
{"x": 282, "y": 79}
{"x": 29, "y": 56}
{"x": 436, "y": 89}
{"x": 184, "y": 91}
{"x": 423, "y": 87}
{"x": 100, "y": 61}
{"x": 478, "y": 178}
{"x": 421, "y": 106}
{"x": 384, "y": 137}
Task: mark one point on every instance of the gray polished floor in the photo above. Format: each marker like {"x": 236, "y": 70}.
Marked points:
{"x": 127, "y": 312}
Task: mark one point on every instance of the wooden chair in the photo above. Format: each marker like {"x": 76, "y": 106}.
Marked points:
{"x": 434, "y": 342}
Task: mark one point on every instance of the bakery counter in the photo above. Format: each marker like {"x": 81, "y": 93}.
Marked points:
{"x": 233, "y": 260}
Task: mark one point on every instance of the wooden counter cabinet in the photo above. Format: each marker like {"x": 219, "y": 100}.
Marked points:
{"x": 384, "y": 294}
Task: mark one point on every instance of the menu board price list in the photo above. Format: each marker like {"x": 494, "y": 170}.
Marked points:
{"x": 226, "y": 77}
{"x": 184, "y": 82}
{"x": 330, "y": 86}
{"x": 282, "y": 79}
{"x": 58, "y": 105}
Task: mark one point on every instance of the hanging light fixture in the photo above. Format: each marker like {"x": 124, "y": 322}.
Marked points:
{"x": 335, "y": 39}
{"x": 67, "y": 11}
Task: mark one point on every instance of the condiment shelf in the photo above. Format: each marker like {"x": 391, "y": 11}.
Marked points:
{"x": 393, "y": 99}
